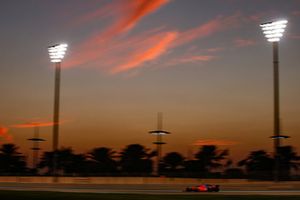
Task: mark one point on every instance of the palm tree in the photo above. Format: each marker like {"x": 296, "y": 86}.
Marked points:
{"x": 47, "y": 162}
{"x": 101, "y": 160}
{"x": 135, "y": 160}
{"x": 209, "y": 157}
{"x": 288, "y": 161}
{"x": 259, "y": 164}
{"x": 173, "y": 160}
{"x": 78, "y": 165}
{"x": 67, "y": 161}
{"x": 11, "y": 161}
{"x": 232, "y": 172}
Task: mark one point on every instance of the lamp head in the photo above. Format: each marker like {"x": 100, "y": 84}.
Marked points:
{"x": 273, "y": 31}
{"x": 57, "y": 52}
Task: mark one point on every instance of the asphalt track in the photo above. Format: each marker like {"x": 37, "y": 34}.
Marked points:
{"x": 133, "y": 189}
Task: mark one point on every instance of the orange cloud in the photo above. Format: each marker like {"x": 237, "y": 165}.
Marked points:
{"x": 33, "y": 124}
{"x": 138, "y": 58}
{"x": 126, "y": 14}
{"x": 215, "y": 142}
{"x": 197, "y": 58}
{"x": 120, "y": 54}
{"x": 5, "y": 135}
{"x": 207, "y": 29}
{"x": 129, "y": 13}
{"x": 189, "y": 59}
{"x": 104, "y": 11}
{"x": 134, "y": 11}
{"x": 244, "y": 42}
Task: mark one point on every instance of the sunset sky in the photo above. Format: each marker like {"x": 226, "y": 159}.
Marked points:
{"x": 204, "y": 63}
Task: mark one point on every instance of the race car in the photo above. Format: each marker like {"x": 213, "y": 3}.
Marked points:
{"x": 203, "y": 188}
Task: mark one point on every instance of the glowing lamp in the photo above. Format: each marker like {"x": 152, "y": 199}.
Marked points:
{"x": 273, "y": 31}
{"x": 57, "y": 52}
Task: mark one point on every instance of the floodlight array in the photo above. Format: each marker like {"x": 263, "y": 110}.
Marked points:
{"x": 57, "y": 52}
{"x": 274, "y": 30}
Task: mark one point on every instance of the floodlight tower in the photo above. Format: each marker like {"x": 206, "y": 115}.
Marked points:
{"x": 56, "y": 53}
{"x": 159, "y": 132}
{"x": 273, "y": 31}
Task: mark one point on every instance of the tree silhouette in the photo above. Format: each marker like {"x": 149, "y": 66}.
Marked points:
{"x": 135, "y": 160}
{"x": 11, "y": 161}
{"x": 209, "y": 157}
{"x": 173, "y": 160}
{"x": 77, "y": 165}
{"x": 259, "y": 165}
{"x": 47, "y": 162}
{"x": 67, "y": 161}
{"x": 288, "y": 160}
{"x": 192, "y": 168}
{"x": 101, "y": 160}
{"x": 232, "y": 172}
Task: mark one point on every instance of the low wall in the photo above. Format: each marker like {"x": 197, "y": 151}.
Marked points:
{"x": 138, "y": 180}
{"x": 115, "y": 180}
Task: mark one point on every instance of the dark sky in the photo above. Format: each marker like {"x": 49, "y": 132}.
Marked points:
{"x": 205, "y": 64}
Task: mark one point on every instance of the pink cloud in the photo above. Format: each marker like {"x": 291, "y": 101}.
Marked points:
{"x": 216, "y": 49}
{"x": 197, "y": 58}
{"x": 244, "y": 42}
{"x": 294, "y": 36}
{"x": 131, "y": 12}
{"x": 260, "y": 17}
{"x": 120, "y": 54}
{"x": 296, "y": 13}
{"x": 257, "y": 17}
{"x": 138, "y": 58}
{"x": 104, "y": 11}
{"x": 136, "y": 10}
{"x": 189, "y": 57}
{"x": 209, "y": 28}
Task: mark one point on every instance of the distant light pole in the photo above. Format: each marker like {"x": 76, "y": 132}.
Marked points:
{"x": 159, "y": 132}
{"x": 273, "y": 32}
{"x": 56, "y": 53}
{"x": 36, "y": 147}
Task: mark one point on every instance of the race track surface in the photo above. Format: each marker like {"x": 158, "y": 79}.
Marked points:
{"x": 135, "y": 189}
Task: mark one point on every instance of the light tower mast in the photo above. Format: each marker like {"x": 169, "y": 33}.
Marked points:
{"x": 159, "y": 132}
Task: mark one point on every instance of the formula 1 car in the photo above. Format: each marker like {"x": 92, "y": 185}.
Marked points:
{"x": 203, "y": 188}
